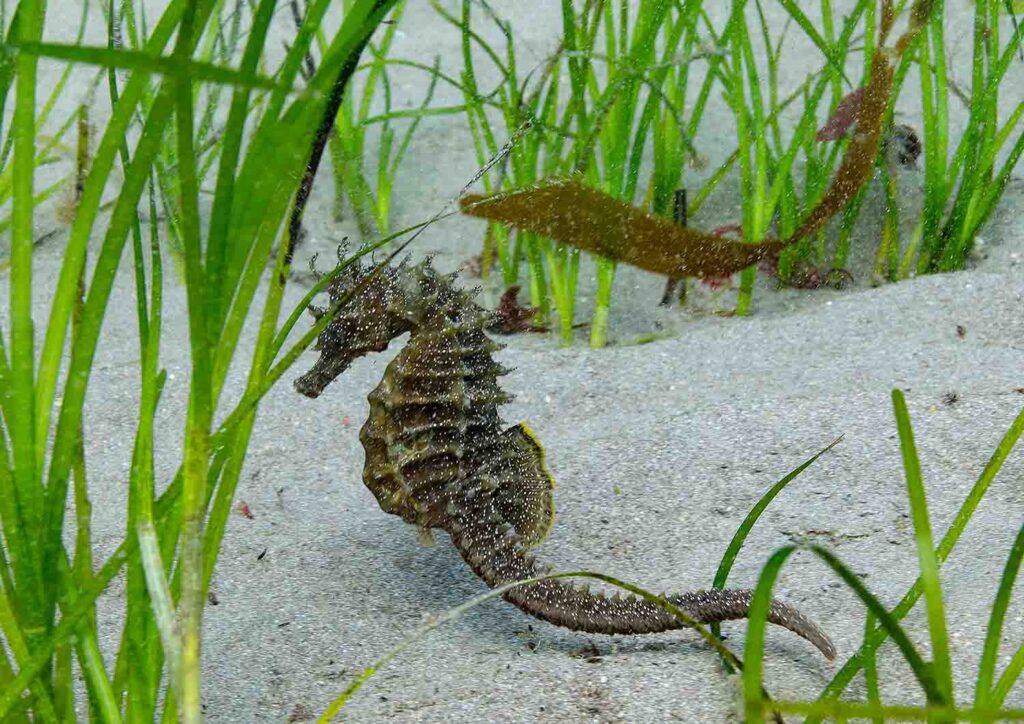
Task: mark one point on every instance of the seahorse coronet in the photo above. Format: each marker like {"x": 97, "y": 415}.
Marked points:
{"x": 438, "y": 454}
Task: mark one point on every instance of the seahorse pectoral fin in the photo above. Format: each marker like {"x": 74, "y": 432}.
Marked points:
{"x": 525, "y": 486}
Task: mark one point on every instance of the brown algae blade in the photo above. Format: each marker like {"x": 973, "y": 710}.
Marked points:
{"x": 859, "y": 159}
{"x": 584, "y": 217}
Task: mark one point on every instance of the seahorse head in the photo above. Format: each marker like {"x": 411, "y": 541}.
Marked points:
{"x": 371, "y": 312}
{"x": 376, "y": 305}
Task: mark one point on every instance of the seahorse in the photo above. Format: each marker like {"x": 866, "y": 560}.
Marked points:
{"x": 439, "y": 455}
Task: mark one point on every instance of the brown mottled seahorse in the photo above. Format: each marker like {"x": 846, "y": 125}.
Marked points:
{"x": 438, "y": 454}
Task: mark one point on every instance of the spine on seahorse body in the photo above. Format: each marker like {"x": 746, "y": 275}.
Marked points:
{"x": 497, "y": 555}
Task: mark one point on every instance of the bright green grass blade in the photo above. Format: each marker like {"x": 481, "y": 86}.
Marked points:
{"x": 17, "y": 643}
{"x": 1008, "y": 678}
{"x": 143, "y": 62}
{"x": 836, "y": 60}
{"x": 1009, "y": 440}
{"x": 91, "y": 661}
{"x": 754, "y": 651}
{"x": 224, "y": 193}
{"x": 160, "y": 600}
{"x": 233, "y": 225}
{"x": 994, "y": 633}
{"x": 749, "y": 138}
{"x": 936, "y": 131}
{"x": 19, "y": 716}
{"x": 417, "y": 114}
{"x": 101, "y": 699}
{"x": 997, "y": 186}
{"x": 142, "y": 315}
{"x": 1006, "y": 131}
{"x": 266, "y": 206}
{"x": 13, "y": 538}
{"x": 577, "y": 80}
{"x": 740, "y": 536}
{"x": 871, "y": 669}
{"x": 195, "y": 466}
{"x": 35, "y": 598}
{"x": 63, "y": 691}
{"x": 927, "y": 559}
{"x": 8, "y": 62}
{"x": 149, "y": 604}
{"x": 44, "y": 195}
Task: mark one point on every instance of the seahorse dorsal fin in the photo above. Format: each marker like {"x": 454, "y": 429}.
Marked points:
{"x": 524, "y": 495}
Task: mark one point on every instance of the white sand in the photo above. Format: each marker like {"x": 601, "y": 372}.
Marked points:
{"x": 659, "y": 451}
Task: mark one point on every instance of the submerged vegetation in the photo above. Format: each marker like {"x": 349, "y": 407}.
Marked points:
{"x": 207, "y": 159}
{"x": 602, "y": 135}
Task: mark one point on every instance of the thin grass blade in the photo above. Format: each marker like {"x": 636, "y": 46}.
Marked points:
{"x": 927, "y": 559}
{"x": 740, "y": 536}
{"x": 994, "y": 632}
